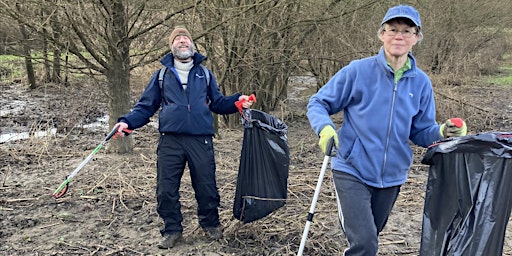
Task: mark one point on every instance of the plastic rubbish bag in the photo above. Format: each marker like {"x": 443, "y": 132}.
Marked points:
{"x": 469, "y": 197}
{"x": 264, "y": 164}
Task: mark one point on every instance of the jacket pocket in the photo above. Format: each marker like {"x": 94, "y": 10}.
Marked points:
{"x": 363, "y": 162}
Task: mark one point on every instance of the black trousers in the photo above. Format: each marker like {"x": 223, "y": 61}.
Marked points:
{"x": 173, "y": 153}
{"x": 363, "y": 211}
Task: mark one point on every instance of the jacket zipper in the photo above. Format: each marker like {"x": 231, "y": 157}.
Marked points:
{"x": 395, "y": 87}
{"x": 181, "y": 85}
{"x": 186, "y": 98}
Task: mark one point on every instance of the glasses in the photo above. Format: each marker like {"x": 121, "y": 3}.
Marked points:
{"x": 406, "y": 33}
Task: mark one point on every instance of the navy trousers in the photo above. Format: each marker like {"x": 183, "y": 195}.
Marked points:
{"x": 173, "y": 153}
{"x": 363, "y": 212}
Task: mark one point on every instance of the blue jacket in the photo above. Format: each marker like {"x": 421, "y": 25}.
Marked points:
{"x": 379, "y": 118}
{"x": 182, "y": 111}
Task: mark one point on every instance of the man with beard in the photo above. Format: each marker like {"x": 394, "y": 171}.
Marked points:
{"x": 186, "y": 98}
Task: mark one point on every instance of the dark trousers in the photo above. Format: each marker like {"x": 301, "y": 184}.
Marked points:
{"x": 173, "y": 152}
{"x": 363, "y": 212}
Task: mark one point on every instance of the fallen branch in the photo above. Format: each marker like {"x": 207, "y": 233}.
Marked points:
{"x": 392, "y": 242}
{"x": 20, "y": 200}
{"x": 50, "y": 225}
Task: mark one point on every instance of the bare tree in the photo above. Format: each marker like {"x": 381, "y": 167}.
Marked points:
{"x": 253, "y": 46}
{"x": 464, "y": 37}
{"x": 100, "y": 34}
{"x": 26, "y": 51}
{"x": 257, "y": 45}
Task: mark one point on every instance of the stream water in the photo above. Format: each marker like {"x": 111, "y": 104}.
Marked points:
{"x": 17, "y": 106}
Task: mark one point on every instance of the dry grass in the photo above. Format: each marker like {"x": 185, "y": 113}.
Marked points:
{"x": 110, "y": 208}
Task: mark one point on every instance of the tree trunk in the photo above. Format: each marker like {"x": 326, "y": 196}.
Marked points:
{"x": 118, "y": 73}
{"x": 46, "y": 62}
{"x": 118, "y": 105}
{"x": 57, "y": 52}
{"x": 28, "y": 59}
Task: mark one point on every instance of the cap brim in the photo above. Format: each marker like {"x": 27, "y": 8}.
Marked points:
{"x": 400, "y": 16}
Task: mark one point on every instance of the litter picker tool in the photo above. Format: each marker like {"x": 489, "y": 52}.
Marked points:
{"x": 63, "y": 188}
{"x": 311, "y": 213}
{"x": 239, "y": 104}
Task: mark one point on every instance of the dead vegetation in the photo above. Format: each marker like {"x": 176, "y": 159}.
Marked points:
{"x": 110, "y": 207}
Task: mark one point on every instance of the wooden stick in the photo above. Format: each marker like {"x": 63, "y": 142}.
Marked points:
{"x": 393, "y": 242}
{"x": 20, "y": 199}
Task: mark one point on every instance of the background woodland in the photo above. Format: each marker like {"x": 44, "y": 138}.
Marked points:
{"x": 252, "y": 46}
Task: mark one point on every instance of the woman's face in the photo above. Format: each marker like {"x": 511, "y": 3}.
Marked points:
{"x": 398, "y": 38}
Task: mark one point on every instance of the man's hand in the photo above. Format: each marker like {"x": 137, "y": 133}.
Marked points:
{"x": 122, "y": 130}
{"x": 325, "y": 136}
{"x": 246, "y": 101}
{"x": 453, "y": 127}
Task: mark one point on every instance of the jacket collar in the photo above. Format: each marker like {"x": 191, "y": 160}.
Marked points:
{"x": 381, "y": 59}
{"x": 168, "y": 59}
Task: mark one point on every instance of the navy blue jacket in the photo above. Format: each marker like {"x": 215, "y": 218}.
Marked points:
{"x": 181, "y": 111}
{"x": 380, "y": 117}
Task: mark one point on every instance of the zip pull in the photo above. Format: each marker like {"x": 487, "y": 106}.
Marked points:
{"x": 188, "y": 106}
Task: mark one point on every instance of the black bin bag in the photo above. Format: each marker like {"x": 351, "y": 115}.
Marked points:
{"x": 264, "y": 164}
{"x": 469, "y": 195}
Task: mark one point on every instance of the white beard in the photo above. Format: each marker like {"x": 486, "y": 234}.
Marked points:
{"x": 183, "y": 55}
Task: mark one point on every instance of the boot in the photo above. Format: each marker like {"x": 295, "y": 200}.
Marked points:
{"x": 169, "y": 240}
{"x": 214, "y": 233}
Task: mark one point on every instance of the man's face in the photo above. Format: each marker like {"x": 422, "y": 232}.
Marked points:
{"x": 182, "y": 47}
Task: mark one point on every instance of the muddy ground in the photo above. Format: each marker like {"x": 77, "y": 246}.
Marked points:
{"x": 110, "y": 206}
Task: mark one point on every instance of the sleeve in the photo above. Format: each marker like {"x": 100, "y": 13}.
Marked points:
{"x": 146, "y": 107}
{"x": 329, "y": 100}
{"x": 219, "y": 103}
{"x": 425, "y": 130}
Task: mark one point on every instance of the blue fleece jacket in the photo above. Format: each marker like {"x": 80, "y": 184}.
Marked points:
{"x": 181, "y": 111}
{"x": 380, "y": 117}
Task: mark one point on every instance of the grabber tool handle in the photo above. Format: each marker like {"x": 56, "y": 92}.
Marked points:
{"x": 457, "y": 122}
{"x": 239, "y": 103}
{"x": 112, "y": 133}
{"x": 125, "y": 131}
{"x": 311, "y": 213}
{"x": 331, "y": 149}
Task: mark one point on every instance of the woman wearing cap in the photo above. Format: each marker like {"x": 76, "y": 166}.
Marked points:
{"x": 387, "y": 101}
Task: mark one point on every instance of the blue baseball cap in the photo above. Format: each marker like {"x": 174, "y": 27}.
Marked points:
{"x": 403, "y": 11}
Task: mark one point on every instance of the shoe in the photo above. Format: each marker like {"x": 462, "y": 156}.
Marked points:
{"x": 214, "y": 233}
{"x": 169, "y": 240}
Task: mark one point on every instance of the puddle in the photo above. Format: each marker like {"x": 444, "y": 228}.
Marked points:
{"x": 14, "y": 107}
{"x": 25, "y": 135}
{"x": 100, "y": 124}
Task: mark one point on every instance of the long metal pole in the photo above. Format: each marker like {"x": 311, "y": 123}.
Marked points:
{"x": 57, "y": 192}
{"x": 315, "y": 197}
